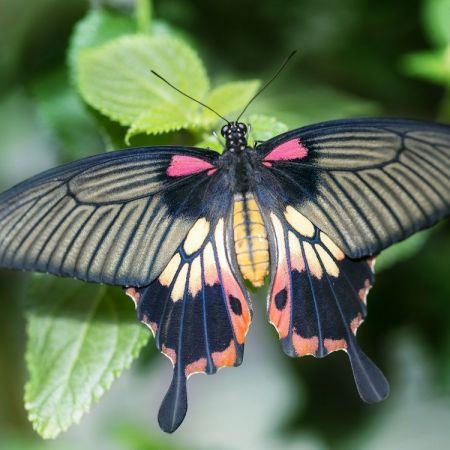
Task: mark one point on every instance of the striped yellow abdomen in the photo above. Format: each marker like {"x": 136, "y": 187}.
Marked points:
{"x": 250, "y": 239}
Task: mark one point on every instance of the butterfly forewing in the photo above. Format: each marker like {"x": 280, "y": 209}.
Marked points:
{"x": 367, "y": 183}
{"x": 115, "y": 218}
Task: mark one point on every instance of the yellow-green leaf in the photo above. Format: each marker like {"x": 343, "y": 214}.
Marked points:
{"x": 229, "y": 98}
{"x": 97, "y": 27}
{"x": 262, "y": 128}
{"x": 161, "y": 118}
{"x": 437, "y": 21}
{"x": 211, "y": 142}
{"x": 431, "y": 65}
{"x": 80, "y": 338}
{"x": 115, "y": 78}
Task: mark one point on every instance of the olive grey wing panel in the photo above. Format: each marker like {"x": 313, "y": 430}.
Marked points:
{"x": 367, "y": 183}
{"x": 114, "y": 218}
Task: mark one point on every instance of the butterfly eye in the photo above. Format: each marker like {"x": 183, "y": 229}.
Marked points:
{"x": 224, "y": 130}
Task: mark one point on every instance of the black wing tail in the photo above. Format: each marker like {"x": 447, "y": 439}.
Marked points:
{"x": 371, "y": 383}
{"x": 174, "y": 406}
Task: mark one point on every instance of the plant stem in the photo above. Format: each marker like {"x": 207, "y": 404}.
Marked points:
{"x": 143, "y": 12}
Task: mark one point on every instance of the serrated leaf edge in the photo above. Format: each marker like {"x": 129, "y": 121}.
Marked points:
{"x": 87, "y": 53}
{"x": 103, "y": 386}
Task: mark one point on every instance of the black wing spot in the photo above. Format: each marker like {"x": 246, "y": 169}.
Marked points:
{"x": 236, "y": 306}
{"x": 281, "y": 300}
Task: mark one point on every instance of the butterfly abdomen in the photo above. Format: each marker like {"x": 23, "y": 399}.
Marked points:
{"x": 250, "y": 239}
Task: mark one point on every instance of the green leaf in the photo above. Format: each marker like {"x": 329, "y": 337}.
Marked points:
{"x": 80, "y": 338}
{"x": 263, "y": 127}
{"x": 433, "y": 66}
{"x": 211, "y": 142}
{"x": 159, "y": 119}
{"x": 229, "y": 98}
{"x": 115, "y": 78}
{"x": 437, "y": 21}
{"x": 164, "y": 118}
{"x": 97, "y": 27}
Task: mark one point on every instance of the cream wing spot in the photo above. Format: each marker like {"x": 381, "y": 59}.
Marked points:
{"x": 299, "y": 222}
{"x": 297, "y": 262}
{"x": 169, "y": 272}
{"x": 332, "y": 247}
{"x": 330, "y": 266}
{"x": 180, "y": 283}
{"x": 279, "y": 233}
{"x": 196, "y": 236}
{"x": 209, "y": 262}
{"x": 219, "y": 238}
{"x": 313, "y": 262}
{"x": 195, "y": 277}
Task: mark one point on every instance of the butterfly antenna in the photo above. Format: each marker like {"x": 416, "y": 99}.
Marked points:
{"x": 268, "y": 83}
{"x": 188, "y": 96}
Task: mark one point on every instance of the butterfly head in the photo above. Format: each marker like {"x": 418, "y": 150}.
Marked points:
{"x": 235, "y": 134}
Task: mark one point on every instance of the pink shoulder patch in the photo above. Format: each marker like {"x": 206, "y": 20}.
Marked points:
{"x": 292, "y": 149}
{"x": 181, "y": 166}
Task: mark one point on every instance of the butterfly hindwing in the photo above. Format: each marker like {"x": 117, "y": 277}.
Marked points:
{"x": 367, "y": 183}
{"x": 317, "y": 297}
{"x": 114, "y": 218}
{"x": 198, "y": 310}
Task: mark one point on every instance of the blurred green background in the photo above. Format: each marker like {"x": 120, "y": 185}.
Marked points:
{"x": 356, "y": 58}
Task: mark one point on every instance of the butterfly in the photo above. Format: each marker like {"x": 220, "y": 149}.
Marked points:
{"x": 182, "y": 229}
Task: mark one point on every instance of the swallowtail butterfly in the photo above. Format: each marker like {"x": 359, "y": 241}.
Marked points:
{"x": 181, "y": 228}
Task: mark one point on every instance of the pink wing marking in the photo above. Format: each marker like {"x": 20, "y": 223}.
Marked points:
{"x": 181, "y": 166}
{"x": 241, "y": 321}
{"x": 280, "y": 318}
{"x": 292, "y": 149}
